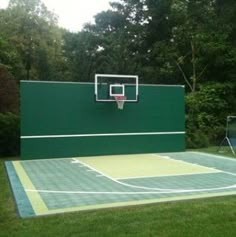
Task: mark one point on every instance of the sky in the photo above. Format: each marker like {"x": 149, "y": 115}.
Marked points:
{"x": 73, "y": 14}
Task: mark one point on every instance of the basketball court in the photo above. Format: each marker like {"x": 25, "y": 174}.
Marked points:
{"x": 110, "y": 143}
{"x": 51, "y": 186}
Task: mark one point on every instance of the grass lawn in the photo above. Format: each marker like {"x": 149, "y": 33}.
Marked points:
{"x": 214, "y": 217}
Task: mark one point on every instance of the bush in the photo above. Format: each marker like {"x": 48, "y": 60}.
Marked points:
{"x": 9, "y": 92}
{"x": 9, "y": 134}
{"x": 207, "y": 110}
{"x": 197, "y": 139}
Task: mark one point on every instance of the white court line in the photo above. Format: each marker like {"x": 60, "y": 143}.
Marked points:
{"x": 102, "y": 135}
{"x": 89, "y": 192}
{"x": 216, "y": 169}
{"x": 187, "y": 163}
{"x": 99, "y": 175}
{"x": 131, "y": 193}
{"x": 214, "y": 155}
{"x": 170, "y": 175}
{"x": 218, "y": 157}
{"x": 226, "y": 172}
{"x": 75, "y": 161}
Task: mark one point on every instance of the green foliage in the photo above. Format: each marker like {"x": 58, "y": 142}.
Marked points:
{"x": 207, "y": 110}
{"x": 119, "y": 39}
{"x": 9, "y": 96}
{"x": 36, "y": 40}
{"x": 163, "y": 41}
{"x": 196, "y": 138}
{"x": 9, "y": 134}
{"x": 9, "y": 108}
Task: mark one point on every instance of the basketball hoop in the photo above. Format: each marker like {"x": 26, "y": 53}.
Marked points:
{"x": 120, "y": 100}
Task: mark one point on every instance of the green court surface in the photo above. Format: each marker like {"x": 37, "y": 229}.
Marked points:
{"x": 51, "y": 186}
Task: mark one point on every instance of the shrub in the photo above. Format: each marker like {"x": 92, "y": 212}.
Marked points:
{"x": 207, "y": 110}
{"x": 9, "y": 92}
{"x": 9, "y": 134}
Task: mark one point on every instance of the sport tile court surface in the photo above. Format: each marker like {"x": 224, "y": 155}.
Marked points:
{"x": 50, "y": 186}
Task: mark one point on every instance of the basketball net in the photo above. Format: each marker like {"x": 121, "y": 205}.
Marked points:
{"x": 120, "y": 100}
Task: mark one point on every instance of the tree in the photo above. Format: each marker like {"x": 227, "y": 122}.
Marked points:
{"x": 119, "y": 38}
{"x": 9, "y": 95}
{"x": 31, "y": 31}
{"x": 80, "y": 54}
{"x": 189, "y": 34}
{"x": 201, "y": 42}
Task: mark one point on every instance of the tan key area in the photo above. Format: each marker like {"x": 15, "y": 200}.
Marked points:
{"x": 142, "y": 165}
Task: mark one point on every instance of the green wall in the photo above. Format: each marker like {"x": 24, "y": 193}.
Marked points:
{"x": 69, "y": 109}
